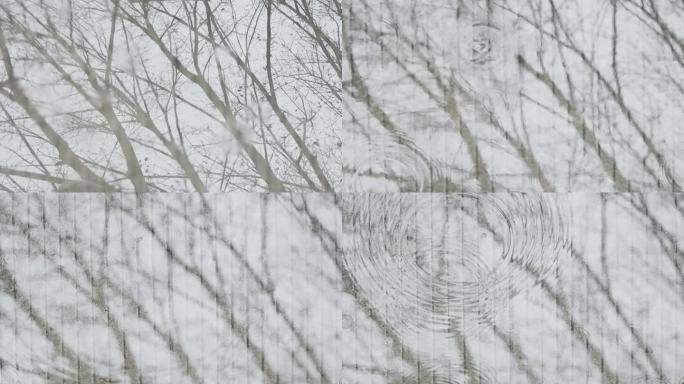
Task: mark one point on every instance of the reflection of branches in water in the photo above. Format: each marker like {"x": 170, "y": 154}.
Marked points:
{"x": 477, "y": 80}
{"x": 163, "y": 289}
{"x": 99, "y": 282}
{"x": 635, "y": 346}
{"x": 592, "y": 102}
{"x": 436, "y": 266}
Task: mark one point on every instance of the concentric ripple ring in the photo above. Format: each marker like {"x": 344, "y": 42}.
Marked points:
{"x": 432, "y": 262}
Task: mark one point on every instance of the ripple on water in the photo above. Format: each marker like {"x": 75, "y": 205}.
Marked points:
{"x": 443, "y": 373}
{"x": 447, "y": 263}
{"x": 394, "y": 159}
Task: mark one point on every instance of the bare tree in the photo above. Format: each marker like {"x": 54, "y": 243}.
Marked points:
{"x": 197, "y": 95}
{"x": 461, "y": 97}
